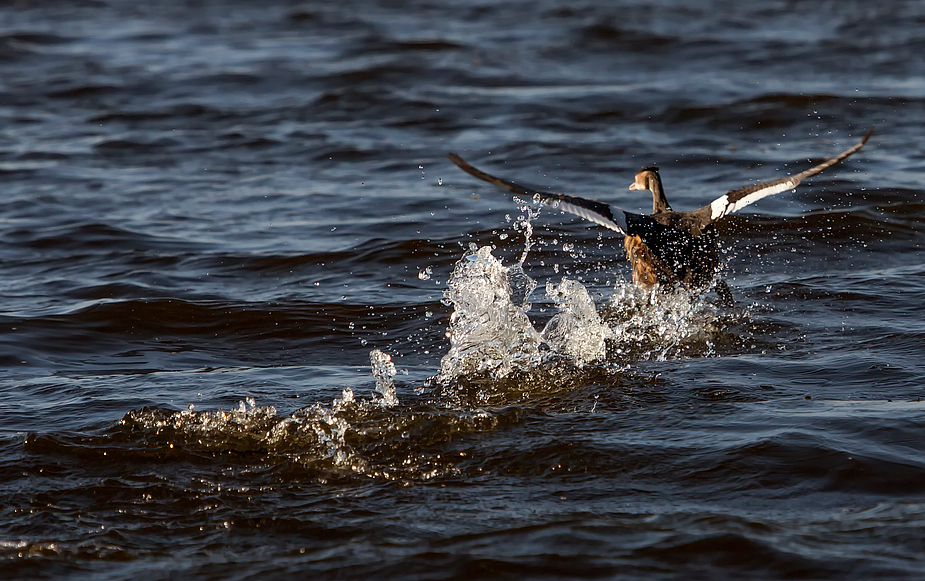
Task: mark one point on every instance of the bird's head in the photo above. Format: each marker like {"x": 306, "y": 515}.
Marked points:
{"x": 646, "y": 179}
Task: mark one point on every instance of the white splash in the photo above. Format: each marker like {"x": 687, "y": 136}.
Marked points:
{"x": 384, "y": 372}
{"x": 489, "y": 331}
{"x": 576, "y": 331}
{"x": 656, "y": 324}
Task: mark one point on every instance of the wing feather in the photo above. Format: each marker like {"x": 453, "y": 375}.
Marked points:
{"x": 604, "y": 214}
{"x": 735, "y": 200}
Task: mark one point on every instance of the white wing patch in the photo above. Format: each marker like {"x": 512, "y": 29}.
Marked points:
{"x": 738, "y": 199}
{"x": 722, "y": 206}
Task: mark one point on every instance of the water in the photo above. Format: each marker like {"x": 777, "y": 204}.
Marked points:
{"x": 255, "y": 325}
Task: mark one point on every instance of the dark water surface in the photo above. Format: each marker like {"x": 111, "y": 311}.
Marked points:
{"x": 229, "y": 205}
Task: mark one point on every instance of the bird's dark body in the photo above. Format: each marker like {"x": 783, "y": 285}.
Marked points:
{"x": 671, "y": 248}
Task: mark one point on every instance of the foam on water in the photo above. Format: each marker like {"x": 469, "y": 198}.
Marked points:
{"x": 374, "y": 437}
{"x": 315, "y": 434}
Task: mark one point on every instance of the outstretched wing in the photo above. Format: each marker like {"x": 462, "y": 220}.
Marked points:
{"x": 598, "y": 212}
{"x": 737, "y": 199}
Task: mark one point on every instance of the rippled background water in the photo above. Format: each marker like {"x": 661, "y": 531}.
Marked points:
{"x": 205, "y": 202}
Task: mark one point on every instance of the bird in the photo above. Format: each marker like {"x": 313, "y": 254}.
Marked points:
{"x": 666, "y": 249}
